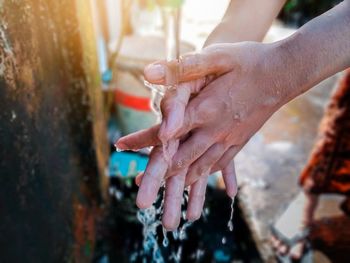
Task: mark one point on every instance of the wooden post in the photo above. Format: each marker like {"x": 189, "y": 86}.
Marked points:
{"x": 53, "y": 148}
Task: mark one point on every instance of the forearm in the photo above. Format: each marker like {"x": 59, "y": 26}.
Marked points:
{"x": 317, "y": 50}
{"x": 246, "y": 20}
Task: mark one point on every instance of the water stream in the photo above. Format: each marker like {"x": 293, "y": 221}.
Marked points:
{"x": 230, "y": 221}
{"x": 150, "y": 218}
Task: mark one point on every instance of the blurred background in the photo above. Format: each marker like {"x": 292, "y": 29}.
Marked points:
{"x": 71, "y": 84}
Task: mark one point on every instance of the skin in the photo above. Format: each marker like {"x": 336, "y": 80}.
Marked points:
{"x": 242, "y": 86}
{"x": 229, "y": 30}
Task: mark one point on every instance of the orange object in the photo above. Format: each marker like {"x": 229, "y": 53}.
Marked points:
{"x": 328, "y": 169}
{"x": 130, "y": 101}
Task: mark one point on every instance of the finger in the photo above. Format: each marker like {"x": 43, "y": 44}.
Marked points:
{"x": 189, "y": 151}
{"x": 274, "y": 242}
{"x": 226, "y": 158}
{"x": 152, "y": 179}
{"x": 204, "y": 163}
{"x": 140, "y": 139}
{"x": 174, "y": 188}
{"x": 197, "y": 198}
{"x": 230, "y": 180}
{"x": 173, "y": 107}
{"x": 138, "y": 179}
{"x": 202, "y": 109}
{"x": 215, "y": 59}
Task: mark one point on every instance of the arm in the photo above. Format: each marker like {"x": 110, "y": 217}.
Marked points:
{"x": 246, "y": 20}
{"x": 316, "y": 51}
{"x": 252, "y": 80}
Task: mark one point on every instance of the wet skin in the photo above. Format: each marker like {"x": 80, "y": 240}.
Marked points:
{"x": 226, "y": 93}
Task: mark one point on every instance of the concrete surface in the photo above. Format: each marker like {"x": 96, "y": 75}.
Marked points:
{"x": 269, "y": 166}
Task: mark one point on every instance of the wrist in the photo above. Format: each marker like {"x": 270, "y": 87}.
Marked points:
{"x": 294, "y": 71}
{"x": 316, "y": 51}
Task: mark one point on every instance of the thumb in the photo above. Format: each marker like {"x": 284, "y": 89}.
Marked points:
{"x": 214, "y": 59}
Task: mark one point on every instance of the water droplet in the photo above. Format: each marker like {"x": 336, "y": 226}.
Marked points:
{"x": 119, "y": 195}
{"x": 179, "y": 164}
{"x": 231, "y": 93}
{"x": 223, "y": 240}
{"x": 165, "y": 238}
{"x": 13, "y": 116}
{"x": 111, "y": 191}
{"x": 117, "y": 149}
{"x": 230, "y": 226}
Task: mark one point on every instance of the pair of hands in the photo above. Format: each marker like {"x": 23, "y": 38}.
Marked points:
{"x": 225, "y": 94}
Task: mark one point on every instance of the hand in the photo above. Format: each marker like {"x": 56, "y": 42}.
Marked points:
{"x": 243, "y": 91}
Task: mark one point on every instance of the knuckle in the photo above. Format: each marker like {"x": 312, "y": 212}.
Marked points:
{"x": 198, "y": 149}
{"x": 197, "y": 171}
{"x": 178, "y": 164}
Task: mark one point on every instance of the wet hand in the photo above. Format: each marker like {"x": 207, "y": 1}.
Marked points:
{"x": 236, "y": 87}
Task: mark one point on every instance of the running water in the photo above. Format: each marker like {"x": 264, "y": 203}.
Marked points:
{"x": 182, "y": 232}
{"x": 172, "y": 23}
{"x": 165, "y": 238}
{"x": 148, "y": 218}
{"x": 230, "y": 221}
{"x": 177, "y": 256}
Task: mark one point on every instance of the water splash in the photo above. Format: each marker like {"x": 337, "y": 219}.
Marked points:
{"x": 133, "y": 257}
{"x": 182, "y": 232}
{"x": 175, "y": 234}
{"x": 197, "y": 256}
{"x": 148, "y": 218}
{"x": 230, "y": 221}
{"x": 176, "y": 256}
{"x": 205, "y": 213}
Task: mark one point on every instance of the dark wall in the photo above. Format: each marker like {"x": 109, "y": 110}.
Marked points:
{"x": 52, "y": 139}
{"x": 298, "y": 12}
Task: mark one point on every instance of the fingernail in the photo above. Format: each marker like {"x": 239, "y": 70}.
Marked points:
{"x": 120, "y": 146}
{"x": 155, "y": 72}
